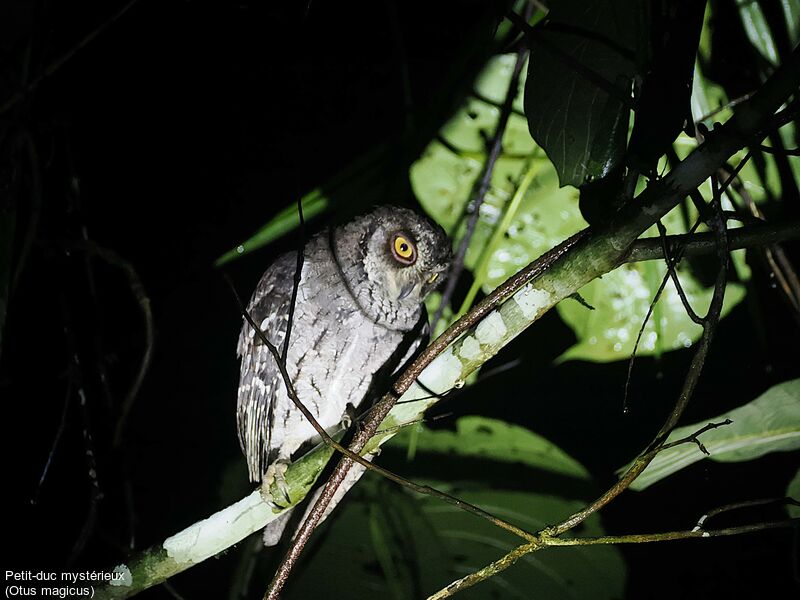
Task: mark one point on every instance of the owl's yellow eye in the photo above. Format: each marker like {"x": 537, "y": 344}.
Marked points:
{"x": 403, "y": 249}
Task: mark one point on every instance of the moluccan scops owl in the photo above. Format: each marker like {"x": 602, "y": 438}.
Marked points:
{"x": 359, "y": 298}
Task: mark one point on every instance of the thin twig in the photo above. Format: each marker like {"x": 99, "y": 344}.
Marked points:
{"x": 172, "y": 591}
{"x": 59, "y": 432}
{"x": 495, "y": 149}
{"x": 672, "y": 258}
{"x": 672, "y": 535}
{"x": 731, "y": 104}
{"x": 695, "y": 437}
{"x": 777, "y": 261}
{"x": 632, "y": 359}
{"x": 548, "y": 542}
{"x": 783, "y": 152}
{"x": 672, "y": 272}
{"x": 752, "y": 236}
{"x": 298, "y": 274}
{"x": 143, "y": 301}
{"x": 26, "y": 140}
{"x": 64, "y": 58}
{"x": 741, "y": 505}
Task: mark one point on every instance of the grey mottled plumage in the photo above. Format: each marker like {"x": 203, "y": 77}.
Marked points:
{"x": 360, "y": 293}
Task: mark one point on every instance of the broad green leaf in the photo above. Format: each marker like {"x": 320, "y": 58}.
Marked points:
{"x": 443, "y": 182}
{"x": 490, "y": 439}
{"x": 770, "y": 423}
{"x": 582, "y": 572}
{"x": 396, "y": 572}
{"x": 375, "y": 529}
{"x": 284, "y": 222}
{"x": 791, "y": 12}
{"x": 424, "y": 544}
{"x": 757, "y": 30}
{"x": 793, "y": 491}
{"x": 621, "y": 300}
{"x": 356, "y": 181}
{"x": 581, "y": 126}
{"x": 708, "y": 98}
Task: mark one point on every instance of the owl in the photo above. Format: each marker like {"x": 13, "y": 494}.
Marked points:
{"x": 359, "y": 299}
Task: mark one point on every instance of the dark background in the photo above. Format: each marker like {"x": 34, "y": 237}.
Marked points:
{"x": 170, "y": 139}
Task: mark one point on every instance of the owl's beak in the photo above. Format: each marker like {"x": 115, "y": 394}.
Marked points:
{"x": 406, "y": 290}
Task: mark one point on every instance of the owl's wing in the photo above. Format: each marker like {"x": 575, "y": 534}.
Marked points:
{"x": 417, "y": 339}
{"x": 259, "y": 379}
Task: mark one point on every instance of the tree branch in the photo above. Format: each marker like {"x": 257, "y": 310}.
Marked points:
{"x": 697, "y": 244}
{"x": 547, "y": 542}
{"x": 63, "y": 59}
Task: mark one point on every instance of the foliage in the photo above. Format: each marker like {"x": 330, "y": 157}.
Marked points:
{"x": 526, "y": 213}
{"x": 490, "y": 439}
{"x": 581, "y": 125}
{"x": 770, "y": 423}
{"x": 416, "y": 544}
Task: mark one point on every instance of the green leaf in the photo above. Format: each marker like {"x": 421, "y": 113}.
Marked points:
{"x": 490, "y": 439}
{"x": 791, "y": 12}
{"x": 468, "y": 128}
{"x": 351, "y": 559}
{"x": 793, "y": 491}
{"x": 757, "y": 30}
{"x": 588, "y": 572}
{"x": 621, "y": 300}
{"x": 357, "y": 181}
{"x": 432, "y": 543}
{"x": 580, "y": 125}
{"x": 286, "y": 221}
{"x": 770, "y": 423}
{"x": 443, "y": 181}
{"x": 395, "y": 572}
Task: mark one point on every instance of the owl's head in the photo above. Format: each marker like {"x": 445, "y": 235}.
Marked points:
{"x": 391, "y": 259}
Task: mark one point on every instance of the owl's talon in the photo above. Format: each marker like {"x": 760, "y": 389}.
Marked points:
{"x": 349, "y": 417}
{"x": 276, "y": 475}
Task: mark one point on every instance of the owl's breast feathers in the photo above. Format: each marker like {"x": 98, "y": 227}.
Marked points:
{"x": 335, "y": 350}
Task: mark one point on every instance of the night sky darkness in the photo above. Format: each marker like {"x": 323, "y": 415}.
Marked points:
{"x": 170, "y": 139}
